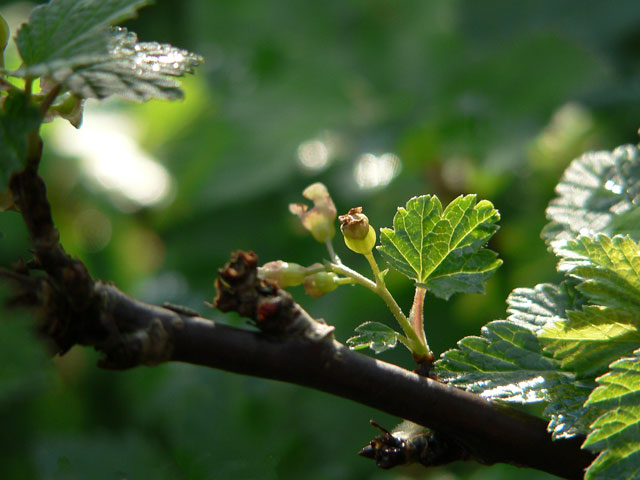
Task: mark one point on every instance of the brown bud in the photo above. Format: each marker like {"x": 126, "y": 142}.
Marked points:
{"x": 359, "y": 236}
{"x": 354, "y": 224}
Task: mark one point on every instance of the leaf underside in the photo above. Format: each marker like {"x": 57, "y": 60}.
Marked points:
{"x": 72, "y": 43}
{"x": 132, "y": 70}
{"x": 442, "y": 250}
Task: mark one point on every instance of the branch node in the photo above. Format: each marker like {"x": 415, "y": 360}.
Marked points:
{"x": 272, "y": 309}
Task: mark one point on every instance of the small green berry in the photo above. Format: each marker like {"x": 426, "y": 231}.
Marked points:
{"x": 318, "y": 284}
{"x": 285, "y": 274}
{"x": 359, "y": 236}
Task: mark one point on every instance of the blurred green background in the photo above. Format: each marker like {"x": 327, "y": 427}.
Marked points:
{"x": 380, "y": 100}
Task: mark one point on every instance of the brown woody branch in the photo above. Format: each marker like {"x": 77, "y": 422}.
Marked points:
{"x": 289, "y": 345}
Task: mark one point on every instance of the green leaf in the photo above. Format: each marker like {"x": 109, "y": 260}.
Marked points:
{"x": 132, "y": 70}
{"x": 442, "y": 250}
{"x": 589, "y": 340}
{"x": 64, "y": 34}
{"x": 608, "y": 269}
{"x": 17, "y": 119}
{"x": 566, "y": 411}
{"x": 599, "y": 193}
{"x": 543, "y": 305}
{"x": 616, "y": 431}
{"x": 508, "y": 362}
{"x": 72, "y": 42}
{"x": 374, "y": 335}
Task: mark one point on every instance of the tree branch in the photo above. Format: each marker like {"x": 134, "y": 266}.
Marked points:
{"x": 288, "y": 346}
{"x": 142, "y": 334}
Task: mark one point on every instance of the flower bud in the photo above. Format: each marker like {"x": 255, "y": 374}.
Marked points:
{"x": 359, "y": 236}
{"x": 320, "y": 283}
{"x": 320, "y": 219}
{"x": 285, "y": 274}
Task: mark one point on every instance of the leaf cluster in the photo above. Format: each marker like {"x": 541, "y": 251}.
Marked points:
{"x": 574, "y": 346}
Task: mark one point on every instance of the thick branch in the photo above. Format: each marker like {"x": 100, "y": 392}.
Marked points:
{"x": 490, "y": 433}
{"x": 290, "y": 346}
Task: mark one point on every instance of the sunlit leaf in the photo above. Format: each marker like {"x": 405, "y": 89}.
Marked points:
{"x": 567, "y": 414}
{"x": 543, "y": 305}
{"x": 136, "y": 71}
{"x": 63, "y": 34}
{"x": 442, "y": 250}
{"x": 507, "y": 362}
{"x": 598, "y": 193}
{"x": 17, "y": 119}
{"x": 374, "y": 335}
{"x": 616, "y": 432}
{"x": 608, "y": 268}
{"x": 72, "y": 43}
{"x": 589, "y": 340}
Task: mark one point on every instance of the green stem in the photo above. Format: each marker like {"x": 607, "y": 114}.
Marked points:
{"x": 345, "y": 281}
{"x": 417, "y": 314}
{"x": 342, "y": 269}
{"x": 411, "y": 340}
{"x": 418, "y": 345}
{"x": 332, "y": 253}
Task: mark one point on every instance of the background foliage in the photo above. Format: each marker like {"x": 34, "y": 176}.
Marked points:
{"x": 492, "y": 98}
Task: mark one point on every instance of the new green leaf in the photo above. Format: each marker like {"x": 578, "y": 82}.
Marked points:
{"x": 599, "y": 193}
{"x": 442, "y": 250}
{"x": 616, "y": 431}
{"x": 63, "y": 34}
{"x": 374, "y": 335}
{"x": 17, "y": 119}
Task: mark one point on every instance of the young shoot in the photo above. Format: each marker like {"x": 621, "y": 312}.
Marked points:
{"x": 440, "y": 250}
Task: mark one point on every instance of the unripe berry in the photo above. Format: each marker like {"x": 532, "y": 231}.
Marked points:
{"x": 359, "y": 236}
{"x": 320, "y": 283}
{"x": 285, "y": 274}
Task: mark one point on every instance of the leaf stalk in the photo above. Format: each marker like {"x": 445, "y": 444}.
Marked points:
{"x": 412, "y": 340}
